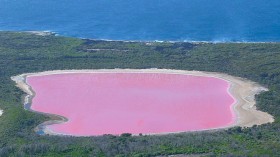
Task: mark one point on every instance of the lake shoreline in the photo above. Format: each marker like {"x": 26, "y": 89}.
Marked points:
{"x": 242, "y": 90}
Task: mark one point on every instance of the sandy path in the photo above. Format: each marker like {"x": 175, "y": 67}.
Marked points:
{"x": 242, "y": 90}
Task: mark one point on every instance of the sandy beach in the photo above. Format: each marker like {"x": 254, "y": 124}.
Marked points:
{"x": 41, "y": 33}
{"x": 241, "y": 89}
{"x": 1, "y": 112}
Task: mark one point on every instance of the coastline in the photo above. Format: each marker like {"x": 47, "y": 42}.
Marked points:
{"x": 48, "y": 33}
{"x": 242, "y": 90}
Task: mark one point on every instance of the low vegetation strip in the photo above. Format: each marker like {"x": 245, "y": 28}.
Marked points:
{"x": 29, "y": 53}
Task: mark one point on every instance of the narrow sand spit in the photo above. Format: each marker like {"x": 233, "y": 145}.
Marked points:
{"x": 241, "y": 89}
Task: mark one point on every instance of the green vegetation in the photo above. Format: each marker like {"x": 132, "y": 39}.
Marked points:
{"x": 23, "y": 52}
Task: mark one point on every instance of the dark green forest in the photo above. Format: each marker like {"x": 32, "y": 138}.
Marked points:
{"x": 25, "y": 52}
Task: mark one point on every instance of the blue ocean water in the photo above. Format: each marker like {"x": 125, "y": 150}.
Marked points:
{"x": 172, "y": 20}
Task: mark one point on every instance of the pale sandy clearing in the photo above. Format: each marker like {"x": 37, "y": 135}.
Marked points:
{"x": 41, "y": 33}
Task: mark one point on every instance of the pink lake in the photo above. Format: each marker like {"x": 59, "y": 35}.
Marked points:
{"x": 116, "y": 103}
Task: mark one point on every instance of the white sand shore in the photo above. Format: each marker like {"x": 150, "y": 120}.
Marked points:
{"x": 41, "y": 33}
{"x": 241, "y": 89}
{"x": 1, "y": 112}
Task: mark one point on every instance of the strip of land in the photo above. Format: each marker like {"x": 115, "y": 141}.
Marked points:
{"x": 241, "y": 89}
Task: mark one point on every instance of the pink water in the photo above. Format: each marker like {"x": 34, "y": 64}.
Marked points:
{"x": 115, "y": 103}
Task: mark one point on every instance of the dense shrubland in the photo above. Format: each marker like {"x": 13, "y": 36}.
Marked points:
{"x": 22, "y": 53}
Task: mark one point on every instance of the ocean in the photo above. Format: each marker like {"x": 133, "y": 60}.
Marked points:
{"x": 147, "y": 20}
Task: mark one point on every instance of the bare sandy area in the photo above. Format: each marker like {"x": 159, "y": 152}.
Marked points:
{"x": 41, "y": 33}
{"x": 241, "y": 89}
{"x": 1, "y": 112}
